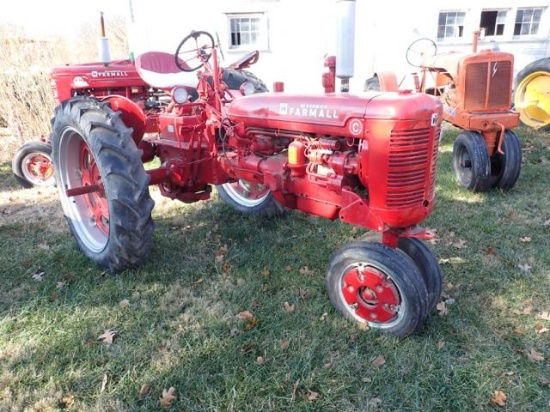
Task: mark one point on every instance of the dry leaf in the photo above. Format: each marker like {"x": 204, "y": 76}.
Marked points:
{"x": 61, "y": 285}
{"x": 220, "y": 254}
{"x": 379, "y": 360}
{"x": 442, "y": 309}
{"x": 283, "y": 344}
{"x": 327, "y": 365}
{"x": 461, "y": 244}
{"x": 124, "y": 303}
{"x": 525, "y": 267}
{"x": 288, "y": 268}
{"x": 540, "y": 328}
{"x": 546, "y": 223}
{"x": 67, "y": 402}
{"x": 305, "y": 271}
{"x": 107, "y": 336}
{"x": 440, "y": 345}
{"x": 39, "y": 275}
{"x": 544, "y": 316}
{"x": 374, "y": 402}
{"x": 265, "y": 272}
{"x": 526, "y": 310}
{"x": 43, "y": 246}
{"x": 104, "y": 383}
{"x": 535, "y": 355}
{"x": 288, "y": 307}
{"x": 168, "y": 396}
{"x": 294, "y": 388}
{"x": 245, "y": 315}
{"x": 144, "y": 390}
{"x": 498, "y": 398}
{"x": 544, "y": 382}
{"x": 525, "y": 239}
{"x": 226, "y": 267}
{"x": 311, "y": 395}
{"x": 260, "y": 360}
{"x": 323, "y": 316}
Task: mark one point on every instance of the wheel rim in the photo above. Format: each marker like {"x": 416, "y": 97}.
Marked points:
{"x": 37, "y": 168}
{"x": 533, "y": 100}
{"x": 247, "y": 193}
{"x": 371, "y": 296}
{"x": 88, "y": 213}
{"x": 464, "y": 165}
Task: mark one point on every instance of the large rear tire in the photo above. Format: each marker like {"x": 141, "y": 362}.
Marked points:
{"x": 505, "y": 168}
{"x": 471, "y": 162}
{"x": 373, "y": 284}
{"x": 532, "y": 94}
{"x": 91, "y": 146}
{"x": 32, "y": 165}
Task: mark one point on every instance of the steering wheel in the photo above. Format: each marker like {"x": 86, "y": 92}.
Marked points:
{"x": 420, "y": 49}
{"x": 193, "y": 51}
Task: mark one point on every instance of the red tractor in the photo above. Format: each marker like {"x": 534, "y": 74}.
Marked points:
{"x": 366, "y": 160}
{"x": 476, "y": 90}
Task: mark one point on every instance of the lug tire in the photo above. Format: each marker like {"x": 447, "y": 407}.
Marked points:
{"x": 423, "y": 258}
{"x": 250, "y": 198}
{"x": 471, "y": 163}
{"x": 32, "y": 165}
{"x": 92, "y": 146}
{"x": 532, "y": 84}
{"x": 505, "y": 168}
{"x": 373, "y": 284}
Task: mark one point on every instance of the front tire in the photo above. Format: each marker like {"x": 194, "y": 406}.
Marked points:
{"x": 505, "y": 168}
{"x": 376, "y": 285}
{"x": 247, "y": 197}
{"x": 32, "y": 165}
{"x": 91, "y": 146}
{"x": 471, "y": 162}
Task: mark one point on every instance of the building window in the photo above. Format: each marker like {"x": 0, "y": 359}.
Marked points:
{"x": 247, "y": 31}
{"x": 451, "y": 24}
{"x": 527, "y": 22}
{"x": 492, "y": 22}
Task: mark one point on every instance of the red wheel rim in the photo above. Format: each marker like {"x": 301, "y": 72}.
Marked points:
{"x": 96, "y": 201}
{"x": 373, "y": 296}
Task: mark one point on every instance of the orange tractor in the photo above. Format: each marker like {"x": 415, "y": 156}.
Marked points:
{"x": 475, "y": 88}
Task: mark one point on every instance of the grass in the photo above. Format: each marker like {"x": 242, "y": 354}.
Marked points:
{"x": 180, "y": 328}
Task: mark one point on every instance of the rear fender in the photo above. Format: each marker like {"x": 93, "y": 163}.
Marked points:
{"x": 388, "y": 81}
{"x": 132, "y": 115}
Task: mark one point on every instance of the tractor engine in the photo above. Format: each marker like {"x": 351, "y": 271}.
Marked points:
{"x": 368, "y": 160}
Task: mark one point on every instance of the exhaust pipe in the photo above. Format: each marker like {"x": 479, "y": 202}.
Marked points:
{"x": 104, "y": 50}
{"x": 345, "y": 45}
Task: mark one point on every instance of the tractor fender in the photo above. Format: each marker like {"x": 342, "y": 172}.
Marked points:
{"x": 388, "y": 81}
{"x": 132, "y": 115}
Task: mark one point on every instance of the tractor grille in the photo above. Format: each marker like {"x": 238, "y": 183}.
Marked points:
{"x": 488, "y": 86}
{"x": 409, "y": 159}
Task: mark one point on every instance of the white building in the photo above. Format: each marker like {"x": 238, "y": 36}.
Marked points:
{"x": 294, "y": 36}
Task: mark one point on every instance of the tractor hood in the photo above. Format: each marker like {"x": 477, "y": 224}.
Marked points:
{"x": 342, "y": 114}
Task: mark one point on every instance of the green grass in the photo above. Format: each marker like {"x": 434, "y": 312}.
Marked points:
{"x": 180, "y": 328}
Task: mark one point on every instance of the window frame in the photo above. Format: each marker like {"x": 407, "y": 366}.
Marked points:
{"x": 502, "y": 15}
{"x": 531, "y": 23}
{"x": 455, "y": 26}
{"x": 262, "y": 33}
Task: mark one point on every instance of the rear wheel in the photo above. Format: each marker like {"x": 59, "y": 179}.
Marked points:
{"x": 532, "y": 94}
{"x": 374, "y": 284}
{"x": 32, "y": 165}
{"x": 247, "y": 197}
{"x": 471, "y": 162}
{"x": 505, "y": 168}
{"x": 110, "y": 215}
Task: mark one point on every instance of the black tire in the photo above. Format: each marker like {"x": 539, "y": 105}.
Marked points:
{"x": 250, "y": 198}
{"x": 532, "y": 94}
{"x": 235, "y": 78}
{"x": 32, "y": 165}
{"x": 471, "y": 162}
{"x": 423, "y": 258}
{"x": 505, "y": 168}
{"x": 376, "y": 285}
{"x": 372, "y": 84}
{"x": 91, "y": 145}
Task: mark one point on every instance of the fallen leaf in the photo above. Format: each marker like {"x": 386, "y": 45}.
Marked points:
{"x": 167, "y": 397}
{"x": 374, "y": 402}
{"x": 124, "y": 303}
{"x": 540, "y": 328}
{"x": 525, "y": 267}
{"x": 265, "y": 272}
{"x": 61, "y": 285}
{"x": 245, "y": 315}
{"x": 440, "y": 345}
{"x": 220, "y": 254}
{"x": 489, "y": 250}
{"x": 442, "y": 309}
{"x": 535, "y": 355}
{"x": 323, "y": 316}
{"x": 526, "y": 310}
{"x": 235, "y": 332}
{"x": 283, "y": 344}
{"x": 39, "y": 275}
{"x": 67, "y": 401}
{"x": 294, "y": 388}
{"x": 305, "y": 271}
{"x": 544, "y": 316}
{"x": 107, "y": 336}
{"x": 546, "y": 223}
{"x": 288, "y": 268}
{"x": 260, "y": 360}
{"x": 104, "y": 383}
{"x": 379, "y": 360}
{"x": 327, "y": 365}
{"x": 544, "y": 382}
{"x": 509, "y": 373}
{"x": 312, "y": 395}
{"x": 288, "y": 307}
{"x": 43, "y": 246}
{"x": 144, "y": 390}
{"x": 461, "y": 244}
{"x": 525, "y": 239}
{"x": 226, "y": 267}
{"x": 252, "y": 324}
{"x": 498, "y": 398}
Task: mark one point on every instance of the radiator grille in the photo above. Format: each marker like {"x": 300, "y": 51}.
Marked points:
{"x": 409, "y": 158}
{"x": 487, "y": 86}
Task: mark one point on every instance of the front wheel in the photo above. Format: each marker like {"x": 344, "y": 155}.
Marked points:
{"x": 102, "y": 183}
{"x": 32, "y": 165}
{"x": 249, "y": 197}
{"x": 506, "y": 167}
{"x": 376, "y": 285}
{"x": 471, "y": 162}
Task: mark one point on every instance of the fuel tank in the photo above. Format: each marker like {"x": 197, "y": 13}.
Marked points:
{"x": 331, "y": 113}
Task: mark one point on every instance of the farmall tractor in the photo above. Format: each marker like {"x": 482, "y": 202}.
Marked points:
{"x": 476, "y": 90}
{"x": 368, "y": 160}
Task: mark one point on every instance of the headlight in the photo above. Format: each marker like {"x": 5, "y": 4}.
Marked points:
{"x": 247, "y": 88}
{"x": 179, "y": 95}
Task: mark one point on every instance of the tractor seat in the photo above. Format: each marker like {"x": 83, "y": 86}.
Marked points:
{"x": 158, "y": 69}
